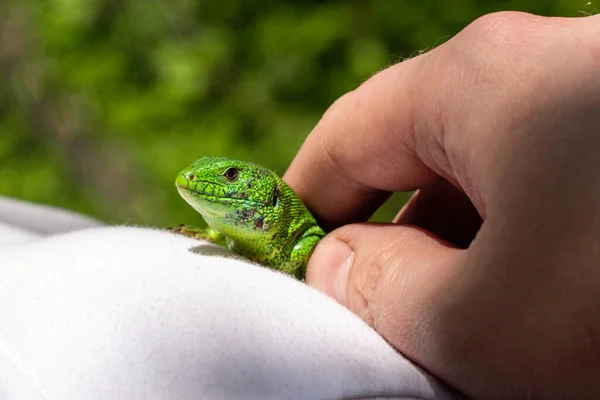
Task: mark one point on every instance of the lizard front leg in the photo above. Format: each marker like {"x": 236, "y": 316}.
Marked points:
{"x": 300, "y": 255}
{"x": 208, "y": 233}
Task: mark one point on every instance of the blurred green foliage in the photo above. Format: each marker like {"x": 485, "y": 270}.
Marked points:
{"x": 103, "y": 101}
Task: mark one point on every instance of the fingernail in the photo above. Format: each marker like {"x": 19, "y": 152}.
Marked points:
{"x": 329, "y": 269}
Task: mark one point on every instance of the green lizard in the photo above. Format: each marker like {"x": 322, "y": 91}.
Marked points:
{"x": 258, "y": 214}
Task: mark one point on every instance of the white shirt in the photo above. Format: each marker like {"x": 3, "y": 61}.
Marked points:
{"x": 95, "y": 312}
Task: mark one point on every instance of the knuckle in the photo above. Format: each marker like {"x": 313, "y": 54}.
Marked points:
{"x": 509, "y": 58}
{"x": 520, "y": 37}
{"x": 502, "y": 28}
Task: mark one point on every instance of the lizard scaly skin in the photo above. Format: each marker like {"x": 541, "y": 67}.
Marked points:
{"x": 259, "y": 215}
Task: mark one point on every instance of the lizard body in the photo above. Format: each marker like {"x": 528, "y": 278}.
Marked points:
{"x": 258, "y": 214}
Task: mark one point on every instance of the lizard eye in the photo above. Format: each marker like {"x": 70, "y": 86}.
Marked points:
{"x": 231, "y": 174}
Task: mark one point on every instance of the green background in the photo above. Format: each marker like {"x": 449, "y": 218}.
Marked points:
{"x": 102, "y": 102}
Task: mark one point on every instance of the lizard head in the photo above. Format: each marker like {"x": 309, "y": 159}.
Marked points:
{"x": 234, "y": 197}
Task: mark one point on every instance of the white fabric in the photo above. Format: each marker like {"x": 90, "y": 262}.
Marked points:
{"x": 132, "y": 313}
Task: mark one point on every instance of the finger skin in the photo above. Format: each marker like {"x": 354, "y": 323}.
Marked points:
{"x": 445, "y": 211}
{"x": 496, "y": 113}
{"x": 341, "y": 173}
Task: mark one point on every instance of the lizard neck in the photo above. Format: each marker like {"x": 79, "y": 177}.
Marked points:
{"x": 286, "y": 221}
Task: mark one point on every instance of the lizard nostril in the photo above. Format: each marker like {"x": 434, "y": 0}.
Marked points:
{"x": 191, "y": 177}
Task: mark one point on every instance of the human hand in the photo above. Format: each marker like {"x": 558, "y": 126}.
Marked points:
{"x": 501, "y": 124}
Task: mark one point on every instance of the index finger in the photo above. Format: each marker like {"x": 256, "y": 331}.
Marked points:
{"x": 364, "y": 147}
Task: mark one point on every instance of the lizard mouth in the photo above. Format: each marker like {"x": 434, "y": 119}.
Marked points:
{"x": 192, "y": 195}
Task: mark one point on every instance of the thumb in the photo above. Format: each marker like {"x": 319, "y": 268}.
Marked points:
{"x": 390, "y": 275}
